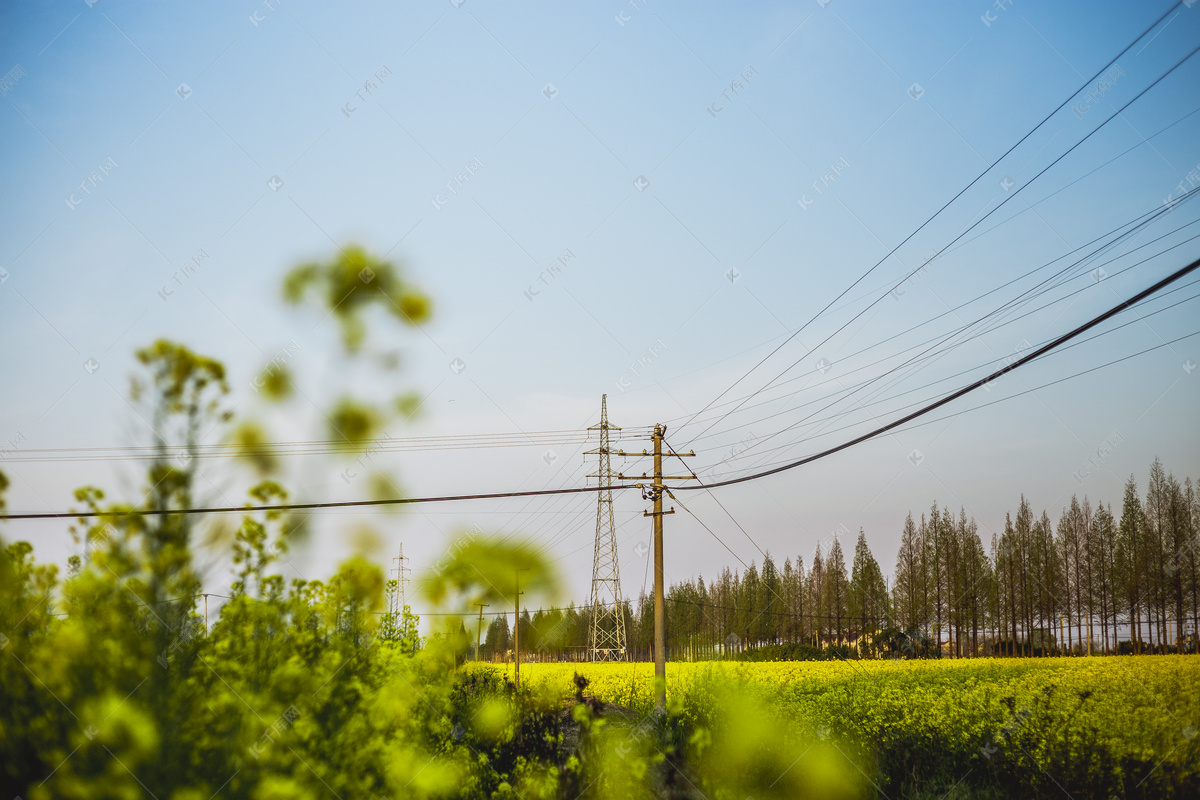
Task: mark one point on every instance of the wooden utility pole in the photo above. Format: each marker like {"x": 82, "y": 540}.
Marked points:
{"x": 655, "y": 492}
{"x": 517, "y": 632}
{"x": 479, "y": 630}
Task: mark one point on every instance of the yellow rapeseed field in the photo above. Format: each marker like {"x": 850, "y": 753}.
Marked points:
{"x": 1115, "y": 720}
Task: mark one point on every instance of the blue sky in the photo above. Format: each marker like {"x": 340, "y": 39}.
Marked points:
{"x": 719, "y": 173}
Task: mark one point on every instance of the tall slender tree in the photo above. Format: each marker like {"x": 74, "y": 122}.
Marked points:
{"x": 835, "y": 591}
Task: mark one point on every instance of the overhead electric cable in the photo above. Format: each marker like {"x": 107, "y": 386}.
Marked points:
{"x": 977, "y": 178}
{"x": 1073, "y": 376}
{"x": 932, "y": 351}
{"x": 1140, "y": 221}
{"x": 1142, "y": 295}
{"x": 1061, "y": 350}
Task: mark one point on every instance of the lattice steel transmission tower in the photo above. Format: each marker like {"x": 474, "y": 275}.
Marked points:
{"x": 606, "y": 636}
{"x": 397, "y": 585}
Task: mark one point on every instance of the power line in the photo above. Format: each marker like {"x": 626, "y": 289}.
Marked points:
{"x": 1142, "y": 295}
{"x": 380, "y": 444}
{"x": 1079, "y": 374}
{"x": 973, "y": 225}
{"x": 1030, "y": 207}
{"x": 1029, "y": 294}
{"x": 156, "y": 512}
{"x": 584, "y": 489}
{"x": 951, "y": 201}
{"x": 864, "y": 406}
{"x": 932, "y": 352}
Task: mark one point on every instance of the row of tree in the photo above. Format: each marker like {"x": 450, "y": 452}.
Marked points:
{"x": 1094, "y": 582}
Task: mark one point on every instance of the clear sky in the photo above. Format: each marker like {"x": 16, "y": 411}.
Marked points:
{"x": 719, "y": 173}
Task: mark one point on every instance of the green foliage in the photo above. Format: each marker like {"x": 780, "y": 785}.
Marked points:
{"x": 350, "y": 284}
{"x": 180, "y": 376}
{"x": 354, "y": 422}
{"x": 253, "y": 446}
{"x": 475, "y": 570}
{"x": 275, "y": 382}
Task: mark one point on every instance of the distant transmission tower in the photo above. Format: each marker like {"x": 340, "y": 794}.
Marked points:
{"x": 397, "y": 585}
{"x": 606, "y": 637}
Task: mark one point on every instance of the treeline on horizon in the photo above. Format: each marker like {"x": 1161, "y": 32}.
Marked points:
{"x": 1038, "y": 588}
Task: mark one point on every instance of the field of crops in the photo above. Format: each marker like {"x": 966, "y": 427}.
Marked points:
{"x": 1094, "y": 727}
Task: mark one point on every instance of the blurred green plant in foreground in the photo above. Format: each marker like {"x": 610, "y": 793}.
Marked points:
{"x": 116, "y": 683}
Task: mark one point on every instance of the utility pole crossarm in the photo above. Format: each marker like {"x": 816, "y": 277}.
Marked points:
{"x": 646, "y": 477}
